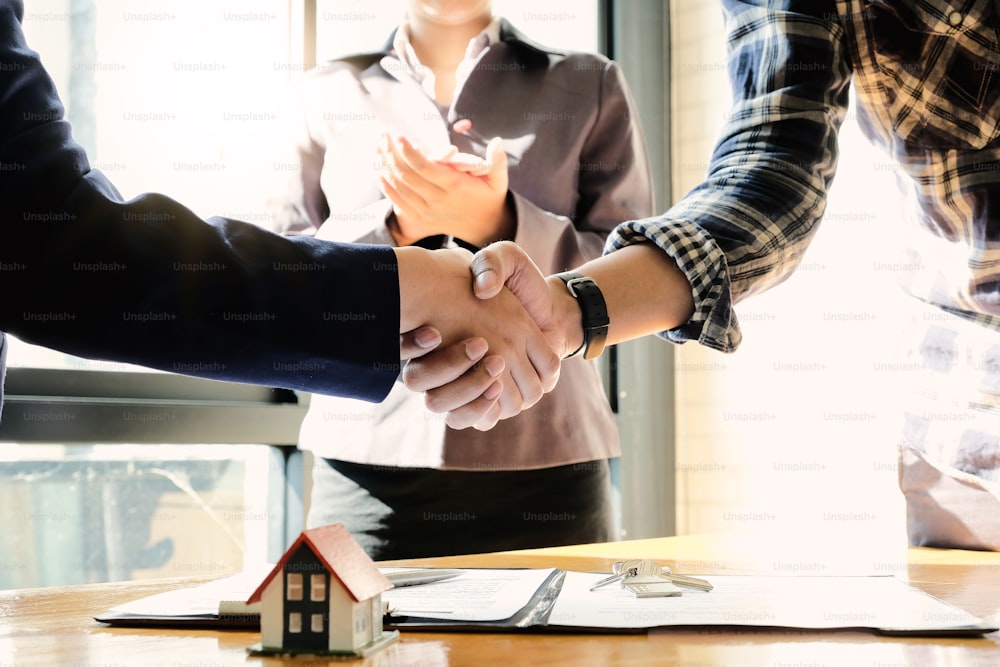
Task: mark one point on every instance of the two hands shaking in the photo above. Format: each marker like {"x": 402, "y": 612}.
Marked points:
{"x": 491, "y": 351}
{"x": 487, "y": 353}
{"x": 499, "y": 352}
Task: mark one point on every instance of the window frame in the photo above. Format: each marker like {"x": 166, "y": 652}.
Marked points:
{"x": 83, "y": 406}
{"x": 294, "y": 587}
{"x": 640, "y": 374}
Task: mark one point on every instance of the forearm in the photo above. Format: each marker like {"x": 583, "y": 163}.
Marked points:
{"x": 644, "y": 290}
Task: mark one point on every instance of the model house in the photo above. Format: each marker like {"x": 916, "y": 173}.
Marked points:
{"x": 324, "y": 596}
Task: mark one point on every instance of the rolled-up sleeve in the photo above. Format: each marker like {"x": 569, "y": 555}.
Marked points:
{"x": 746, "y": 227}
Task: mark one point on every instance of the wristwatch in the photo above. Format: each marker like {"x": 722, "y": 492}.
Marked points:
{"x": 593, "y": 312}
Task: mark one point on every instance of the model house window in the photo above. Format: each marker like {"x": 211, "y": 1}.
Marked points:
{"x": 317, "y": 623}
{"x": 293, "y": 585}
{"x": 360, "y": 621}
{"x": 317, "y": 588}
{"x": 295, "y": 622}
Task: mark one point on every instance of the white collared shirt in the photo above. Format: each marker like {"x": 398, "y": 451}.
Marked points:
{"x": 478, "y": 45}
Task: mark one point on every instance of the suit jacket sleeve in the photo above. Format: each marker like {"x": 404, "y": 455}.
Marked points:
{"x": 146, "y": 281}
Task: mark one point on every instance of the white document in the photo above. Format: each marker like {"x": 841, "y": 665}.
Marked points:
{"x": 474, "y": 595}
{"x": 201, "y": 600}
{"x": 883, "y": 603}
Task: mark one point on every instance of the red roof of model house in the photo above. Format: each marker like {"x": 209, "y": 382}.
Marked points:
{"x": 341, "y": 556}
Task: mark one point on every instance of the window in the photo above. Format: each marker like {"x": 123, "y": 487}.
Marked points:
{"x": 171, "y": 97}
{"x": 175, "y": 98}
{"x": 80, "y": 513}
{"x": 317, "y": 589}
{"x": 797, "y": 412}
{"x": 293, "y": 586}
{"x": 362, "y": 619}
{"x": 317, "y": 623}
{"x": 295, "y": 622}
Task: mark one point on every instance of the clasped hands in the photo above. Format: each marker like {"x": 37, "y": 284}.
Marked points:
{"x": 456, "y": 194}
{"x": 486, "y": 353}
{"x": 482, "y": 354}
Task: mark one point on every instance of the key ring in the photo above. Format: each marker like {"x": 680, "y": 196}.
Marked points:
{"x": 616, "y": 575}
{"x": 623, "y": 569}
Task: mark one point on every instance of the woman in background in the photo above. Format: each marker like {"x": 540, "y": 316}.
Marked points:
{"x": 564, "y": 163}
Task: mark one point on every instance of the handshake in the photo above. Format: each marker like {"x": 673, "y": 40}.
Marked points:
{"x": 484, "y": 334}
{"x": 488, "y": 344}
{"x": 485, "y": 353}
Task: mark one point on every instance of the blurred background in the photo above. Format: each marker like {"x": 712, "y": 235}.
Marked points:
{"x": 109, "y": 472}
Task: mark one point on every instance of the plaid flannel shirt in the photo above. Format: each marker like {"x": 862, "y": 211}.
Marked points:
{"x": 927, "y": 79}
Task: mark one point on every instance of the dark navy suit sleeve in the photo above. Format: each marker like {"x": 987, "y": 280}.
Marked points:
{"x": 3, "y": 367}
{"x": 146, "y": 281}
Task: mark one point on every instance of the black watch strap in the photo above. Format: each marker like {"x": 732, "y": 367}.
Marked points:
{"x": 593, "y": 312}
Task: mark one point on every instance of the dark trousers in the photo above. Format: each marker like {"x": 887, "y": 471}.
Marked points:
{"x": 415, "y": 512}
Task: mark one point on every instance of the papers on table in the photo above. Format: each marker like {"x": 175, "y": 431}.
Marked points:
{"x": 886, "y": 604}
{"x": 551, "y": 599}
{"x": 194, "y": 605}
{"x": 473, "y": 596}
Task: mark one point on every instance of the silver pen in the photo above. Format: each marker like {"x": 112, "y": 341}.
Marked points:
{"x": 417, "y": 577}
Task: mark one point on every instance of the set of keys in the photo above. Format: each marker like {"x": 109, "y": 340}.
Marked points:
{"x": 645, "y": 579}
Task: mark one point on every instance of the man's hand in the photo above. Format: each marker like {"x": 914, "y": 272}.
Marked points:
{"x": 464, "y": 376}
{"x": 498, "y": 269}
{"x": 435, "y": 289}
{"x": 644, "y": 290}
{"x": 458, "y": 195}
{"x": 506, "y": 265}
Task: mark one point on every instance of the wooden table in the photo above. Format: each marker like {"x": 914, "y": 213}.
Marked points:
{"x": 53, "y": 626}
